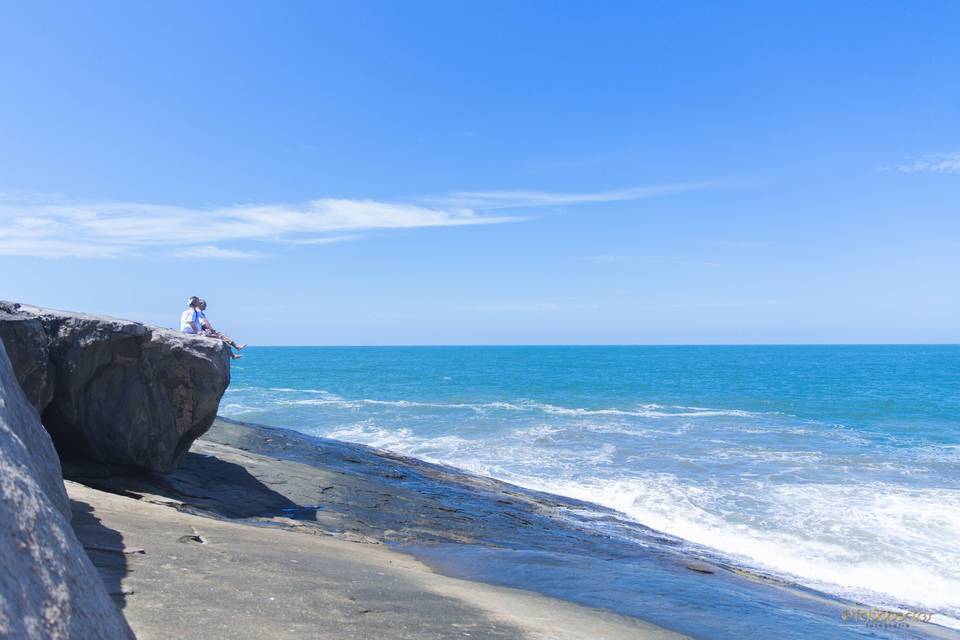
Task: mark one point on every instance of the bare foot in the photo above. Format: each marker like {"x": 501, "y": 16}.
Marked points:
{"x": 241, "y": 346}
{"x": 235, "y": 356}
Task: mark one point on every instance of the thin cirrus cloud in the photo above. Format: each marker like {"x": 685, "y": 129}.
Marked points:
{"x": 109, "y": 230}
{"x": 213, "y": 252}
{"x": 117, "y": 229}
{"x": 948, "y": 162}
{"x": 489, "y": 200}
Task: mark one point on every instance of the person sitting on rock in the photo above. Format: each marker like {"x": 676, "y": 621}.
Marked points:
{"x": 190, "y": 319}
{"x": 207, "y": 329}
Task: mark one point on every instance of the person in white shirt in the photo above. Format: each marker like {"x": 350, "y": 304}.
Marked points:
{"x": 190, "y": 318}
{"x": 194, "y": 321}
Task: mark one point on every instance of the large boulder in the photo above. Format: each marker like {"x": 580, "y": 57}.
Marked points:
{"x": 48, "y": 587}
{"x": 115, "y": 391}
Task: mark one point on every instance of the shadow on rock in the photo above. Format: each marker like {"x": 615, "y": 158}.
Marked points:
{"x": 201, "y": 483}
{"x": 105, "y": 548}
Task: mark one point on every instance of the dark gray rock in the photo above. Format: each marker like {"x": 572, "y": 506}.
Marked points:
{"x": 48, "y": 587}
{"x": 115, "y": 391}
{"x": 27, "y": 348}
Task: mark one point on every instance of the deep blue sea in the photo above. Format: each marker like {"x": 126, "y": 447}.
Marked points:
{"x": 833, "y": 467}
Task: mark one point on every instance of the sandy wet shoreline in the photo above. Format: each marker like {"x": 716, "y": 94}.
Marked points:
{"x": 460, "y": 525}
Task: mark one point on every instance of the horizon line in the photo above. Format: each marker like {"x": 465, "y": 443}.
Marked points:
{"x": 619, "y": 344}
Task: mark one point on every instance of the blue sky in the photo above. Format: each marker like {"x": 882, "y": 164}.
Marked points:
{"x": 485, "y": 173}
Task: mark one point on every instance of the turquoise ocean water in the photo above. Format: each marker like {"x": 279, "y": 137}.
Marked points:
{"x": 833, "y": 467}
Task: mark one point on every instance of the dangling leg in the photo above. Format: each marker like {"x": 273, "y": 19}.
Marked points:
{"x": 210, "y": 333}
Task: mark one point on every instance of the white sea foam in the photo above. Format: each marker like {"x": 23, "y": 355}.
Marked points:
{"x": 368, "y": 432}
{"x": 879, "y": 543}
{"x": 650, "y": 410}
{"x": 236, "y": 408}
{"x": 644, "y": 411}
{"x": 539, "y": 431}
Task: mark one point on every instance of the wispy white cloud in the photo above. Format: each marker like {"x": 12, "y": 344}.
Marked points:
{"x": 56, "y": 227}
{"x": 209, "y": 251}
{"x": 948, "y": 162}
{"x": 104, "y": 230}
{"x": 324, "y": 240}
{"x": 490, "y": 200}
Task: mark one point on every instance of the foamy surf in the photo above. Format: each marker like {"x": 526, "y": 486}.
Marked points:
{"x": 650, "y": 410}
{"x": 808, "y": 538}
